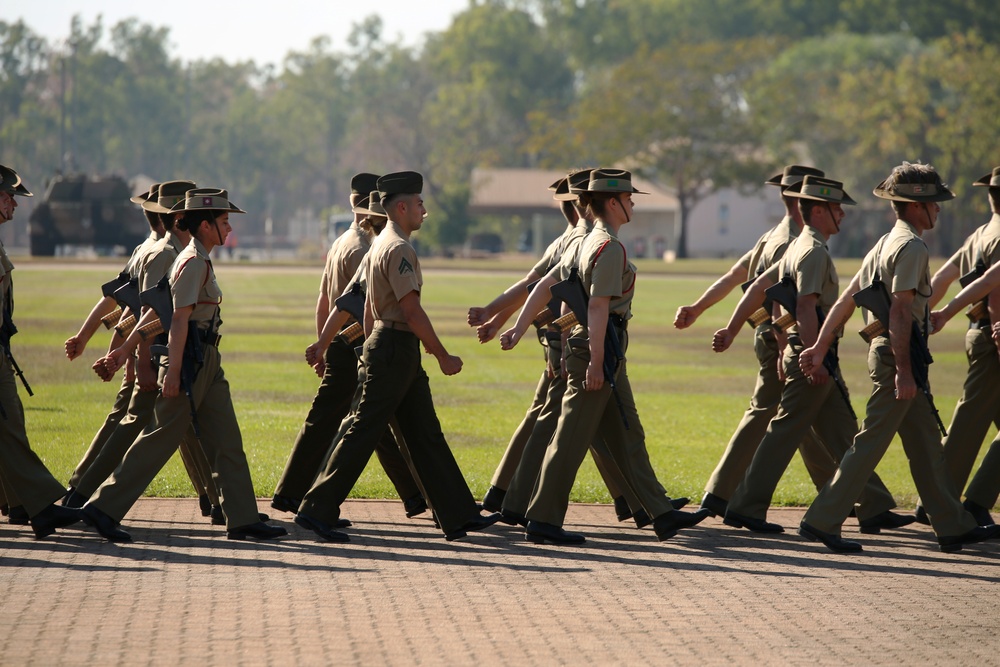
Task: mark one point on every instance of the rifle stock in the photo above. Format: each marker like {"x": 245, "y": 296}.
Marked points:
{"x": 111, "y": 319}
{"x": 109, "y": 288}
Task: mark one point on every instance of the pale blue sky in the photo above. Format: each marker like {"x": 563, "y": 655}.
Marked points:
{"x": 264, "y": 32}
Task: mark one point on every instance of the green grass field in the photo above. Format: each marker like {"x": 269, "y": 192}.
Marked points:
{"x": 689, "y": 398}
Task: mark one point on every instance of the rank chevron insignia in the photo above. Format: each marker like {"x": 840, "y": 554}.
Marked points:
{"x": 405, "y": 267}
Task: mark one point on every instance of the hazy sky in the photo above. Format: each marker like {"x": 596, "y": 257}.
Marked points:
{"x": 264, "y": 32}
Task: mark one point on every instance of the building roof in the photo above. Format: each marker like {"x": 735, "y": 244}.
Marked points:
{"x": 507, "y": 190}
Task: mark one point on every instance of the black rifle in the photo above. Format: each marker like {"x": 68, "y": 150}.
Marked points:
{"x": 979, "y": 310}
{"x": 159, "y": 300}
{"x": 786, "y": 293}
{"x": 108, "y": 289}
{"x": 127, "y": 296}
{"x": 547, "y": 314}
{"x": 352, "y": 302}
{"x": 574, "y": 294}
{"x": 7, "y": 330}
{"x": 876, "y": 300}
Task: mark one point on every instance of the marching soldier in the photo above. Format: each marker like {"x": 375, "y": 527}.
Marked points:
{"x": 149, "y": 269}
{"x": 979, "y": 405}
{"x": 333, "y": 399}
{"x": 607, "y": 280}
{"x": 518, "y": 468}
{"x": 766, "y": 253}
{"x": 896, "y": 270}
{"x": 27, "y": 483}
{"x": 808, "y": 403}
{"x": 195, "y": 322}
{"x": 76, "y": 344}
{"x": 396, "y": 384}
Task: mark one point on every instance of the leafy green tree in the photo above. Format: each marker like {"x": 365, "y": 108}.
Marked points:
{"x": 678, "y": 117}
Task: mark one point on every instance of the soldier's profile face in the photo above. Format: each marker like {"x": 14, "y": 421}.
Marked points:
{"x": 415, "y": 211}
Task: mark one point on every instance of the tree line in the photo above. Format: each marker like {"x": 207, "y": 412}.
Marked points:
{"x": 693, "y": 96}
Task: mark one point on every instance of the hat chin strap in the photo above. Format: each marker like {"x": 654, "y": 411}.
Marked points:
{"x": 832, "y": 216}
{"x": 628, "y": 218}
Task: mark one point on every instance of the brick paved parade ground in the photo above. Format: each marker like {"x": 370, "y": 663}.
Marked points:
{"x": 399, "y": 594}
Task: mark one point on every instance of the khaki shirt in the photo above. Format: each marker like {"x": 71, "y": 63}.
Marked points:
{"x": 606, "y": 271}
{"x": 901, "y": 260}
{"x": 359, "y": 278}
{"x": 139, "y": 254}
{"x": 809, "y": 264}
{"x": 192, "y": 283}
{"x": 770, "y": 248}
{"x": 983, "y": 244}
{"x": 570, "y": 257}
{"x": 158, "y": 261}
{"x": 343, "y": 260}
{"x": 393, "y": 272}
{"x": 553, "y": 253}
{"x": 6, "y": 285}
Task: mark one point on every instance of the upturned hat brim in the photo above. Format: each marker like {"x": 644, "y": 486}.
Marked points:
{"x": 820, "y": 189}
{"x": 917, "y": 193}
{"x": 370, "y": 205}
{"x": 612, "y": 181}
{"x": 217, "y": 201}
{"x": 792, "y": 174}
{"x": 11, "y": 182}
{"x": 168, "y": 195}
{"x": 990, "y": 180}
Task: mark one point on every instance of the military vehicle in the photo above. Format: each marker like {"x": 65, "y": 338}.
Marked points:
{"x": 83, "y": 210}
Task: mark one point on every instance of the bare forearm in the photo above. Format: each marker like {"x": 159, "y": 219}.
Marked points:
{"x": 944, "y": 277}
{"x": 322, "y": 313}
{"x": 93, "y": 321}
{"x": 721, "y": 288}
{"x": 899, "y": 334}
{"x": 597, "y": 327}
{"x": 334, "y": 322}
